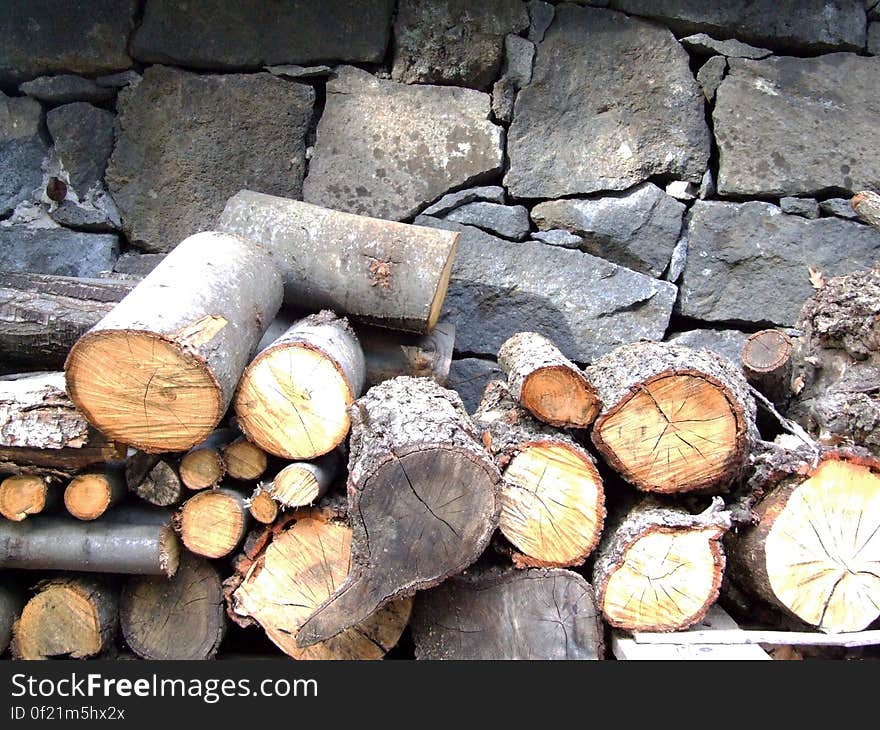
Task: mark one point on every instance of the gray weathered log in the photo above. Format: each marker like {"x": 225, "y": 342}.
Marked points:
{"x": 153, "y": 478}
{"x": 766, "y": 362}
{"x": 867, "y": 205}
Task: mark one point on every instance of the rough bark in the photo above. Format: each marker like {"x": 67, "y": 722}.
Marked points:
{"x": 181, "y": 618}
{"x": 379, "y": 272}
{"x": 546, "y": 383}
{"x": 494, "y": 614}
{"x": 423, "y": 500}
{"x": 159, "y": 371}
{"x": 11, "y": 602}
{"x": 213, "y": 522}
{"x": 138, "y": 541}
{"x": 766, "y": 362}
{"x": 244, "y": 460}
{"x": 23, "y": 495}
{"x": 303, "y": 482}
{"x": 291, "y": 570}
{"x": 867, "y": 205}
{"x": 41, "y": 316}
{"x": 836, "y": 380}
{"x": 203, "y": 465}
{"x": 660, "y": 568}
{"x": 293, "y": 398}
{"x": 674, "y": 419}
{"x": 74, "y": 617}
{"x": 90, "y": 495}
{"x": 153, "y": 478}
{"x": 552, "y": 498}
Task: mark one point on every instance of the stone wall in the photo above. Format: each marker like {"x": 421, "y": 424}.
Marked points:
{"x": 671, "y": 168}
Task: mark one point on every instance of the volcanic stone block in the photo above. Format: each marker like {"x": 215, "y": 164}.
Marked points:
{"x": 727, "y": 343}
{"x": 58, "y": 251}
{"x": 66, "y": 88}
{"x": 83, "y": 137}
{"x": 22, "y": 151}
{"x": 469, "y": 378}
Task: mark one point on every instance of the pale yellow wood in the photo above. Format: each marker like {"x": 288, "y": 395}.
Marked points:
{"x": 292, "y": 403}
{"x": 666, "y": 578}
{"x": 823, "y": 550}
{"x": 552, "y": 504}
{"x": 295, "y": 486}
{"x": 244, "y": 460}
{"x": 22, "y": 495}
{"x": 201, "y": 468}
{"x": 676, "y": 430}
{"x": 58, "y": 621}
{"x": 212, "y": 523}
{"x": 262, "y": 507}
{"x": 143, "y": 389}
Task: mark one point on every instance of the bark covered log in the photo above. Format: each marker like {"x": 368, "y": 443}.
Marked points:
{"x": 552, "y": 498}
{"x": 423, "y": 500}
{"x": 674, "y": 419}
{"x": 153, "y": 478}
{"x": 180, "y": 618}
{"x": 498, "y": 614}
{"x": 159, "y": 371}
{"x": 379, "y": 272}
{"x": 660, "y": 568}
{"x": 23, "y": 495}
{"x": 214, "y": 522}
{"x": 546, "y": 383}
{"x": 90, "y": 495}
{"x": 293, "y": 398}
{"x": 766, "y": 361}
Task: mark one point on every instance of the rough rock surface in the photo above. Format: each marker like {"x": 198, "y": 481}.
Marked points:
{"x": 710, "y": 76}
{"x": 385, "y": 149}
{"x": 814, "y": 121}
{"x": 453, "y": 41}
{"x": 786, "y": 24}
{"x": 239, "y": 34}
{"x": 727, "y": 343}
{"x": 187, "y": 142}
{"x": 22, "y": 150}
{"x": 558, "y": 237}
{"x": 507, "y": 221}
{"x": 588, "y": 122}
{"x": 708, "y": 46}
{"x": 540, "y": 16}
{"x": 637, "y": 230}
{"x": 841, "y": 207}
{"x": 137, "y": 265}
{"x": 750, "y": 262}
{"x": 57, "y": 251}
{"x": 83, "y": 139}
{"x": 874, "y": 38}
{"x": 66, "y": 88}
{"x": 806, "y": 207}
{"x": 469, "y": 378}
{"x": 586, "y": 305}
{"x": 450, "y": 201}
{"x": 77, "y": 36}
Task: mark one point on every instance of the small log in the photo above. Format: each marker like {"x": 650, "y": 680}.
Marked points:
{"x": 674, "y": 419}
{"x": 11, "y": 602}
{"x": 497, "y": 614}
{"x": 293, "y": 398}
{"x": 660, "y": 568}
{"x": 90, "y": 495}
{"x": 41, "y": 316}
{"x": 159, "y": 371}
{"x": 24, "y": 495}
{"x": 303, "y": 482}
{"x": 203, "y": 465}
{"x": 214, "y": 522}
{"x": 153, "y": 478}
{"x": 867, "y": 205}
{"x": 766, "y": 361}
{"x": 262, "y": 507}
{"x": 294, "y": 574}
{"x": 546, "y": 383}
{"x": 389, "y": 274}
{"x": 41, "y": 430}
{"x": 181, "y": 618}
{"x": 423, "y": 500}
{"x": 814, "y": 545}
{"x": 552, "y": 499}
{"x": 244, "y": 460}
{"x": 74, "y": 617}
{"x": 138, "y": 542}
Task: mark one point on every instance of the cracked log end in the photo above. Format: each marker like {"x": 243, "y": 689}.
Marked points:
{"x": 560, "y": 396}
{"x": 815, "y": 549}
{"x": 23, "y": 495}
{"x": 88, "y": 496}
{"x": 213, "y": 522}
{"x": 295, "y": 574}
{"x": 143, "y": 389}
{"x": 202, "y": 468}
{"x": 244, "y": 461}
{"x": 262, "y": 507}
{"x": 302, "y": 483}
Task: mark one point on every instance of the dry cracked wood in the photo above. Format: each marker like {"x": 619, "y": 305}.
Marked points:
{"x": 91, "y": 494}
{"x": 23, "y": 495}
{"x": 304, "y": 482}
{"x": 213, "y": 522}
{"x": 766, "y": 361}
{"x": 153, "y": 478}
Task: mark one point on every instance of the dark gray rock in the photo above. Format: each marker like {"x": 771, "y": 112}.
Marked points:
{"x": 710, "y": 76}
{"x": 450, "y": 201}
{"x": 873, "y": 8}
{"x": 805, "y": 207}
{"x": 469, "y": 378}
{"x": 57, "y": 251}
{"x": 292, "y": 71}
{"x": 453, "y": 41}
{"x": 119, "y": 80}
{"x": 681, "y": 190}
{"x": 386, "y": 149}
{"x": 519, "y": 57}
{"x": 558, "y": 237}
{"x": 95, "y": 211}
{"x": 707, "y": 46}
{"x": 589, "y": 122}
{"x": 799, "y": 126}
{"x": 677, "y": 261}
{"x": 750, "y": 262}
{"x": 75, "y": 36}
{"x": 66, "y": 88}
{"x": 816, "y": 25}
{"x": 22, "y": 151}
{"x": 137, "y": 265}
{"x": 586, "y": 305}
{"x": 188, "y": 142}
{"x": 707, "y": 186}
{"x": 249, "y": 34}
{"x": 873, "y": 44}
{"x": 507, "y": 221}
{"x": 637, "y": 230}
{"x": 540, "y": 17}
{"x": 83, "y": 139}
{"x": 727, "y": 343}
{"x": 841, "y": 207}
{"x": 503, "y": 99}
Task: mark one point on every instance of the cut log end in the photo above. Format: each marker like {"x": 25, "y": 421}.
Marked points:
{"x": 212, "y": 523}
{"x": 766, "y": 351}
{"x": 302, "y": 483}
{"x": 169, "y": 551}
{"x": 245, "y": 461}
{"x": 262, "y": 507}
{"x": 552, "y": 504}
{"x": 23, "y": 495}
{"x": 88, "y": 496}
{"x": 558, "y": 396}
{"x": 202, "y": 468}
{"x": 292, "y": 401}
{"x": 676, "y": 432}
{"x": 144, "y": 390}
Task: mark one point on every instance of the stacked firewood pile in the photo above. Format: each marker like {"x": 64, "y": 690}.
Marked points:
{"x": 258, "y": 432}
